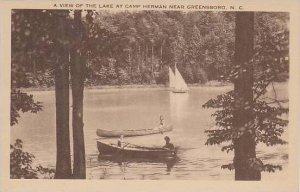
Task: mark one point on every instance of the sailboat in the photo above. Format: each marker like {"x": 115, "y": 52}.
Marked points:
{"x": 176, "y": 82}
{"x": 171, "y": 79}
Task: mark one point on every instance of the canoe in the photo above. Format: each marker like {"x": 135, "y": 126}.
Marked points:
{"x": 131, "y": 133}
{"x": 134, "y": 151}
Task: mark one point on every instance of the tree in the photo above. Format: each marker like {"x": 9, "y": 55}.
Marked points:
{"x": 244, "y": 146}
{"x": 178, "y": 49}
{"x": 36, "y": 40}
{"x": 246, "y": 116}
{"x": 194, "y": 55}
{"x": 47, "y": 35}
{"x": 78, "y": 62}
{"x": 63, "y": 158}
{"x": 123, "y": 76}
{"x": 111, "y": 75}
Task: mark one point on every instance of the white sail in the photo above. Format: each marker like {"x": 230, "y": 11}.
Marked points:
{"x": 171, "y": 78}
{"x": 180, "y": 84}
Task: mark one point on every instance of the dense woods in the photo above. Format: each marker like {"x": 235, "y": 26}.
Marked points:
{"x": 64, "y": 49}
{"x": 138, "y": 47}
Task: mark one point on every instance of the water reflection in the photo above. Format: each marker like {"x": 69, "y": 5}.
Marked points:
{"x": 170, "y": 164}
{"x": 178, "y": 103}
{"x": 124, "y": 161}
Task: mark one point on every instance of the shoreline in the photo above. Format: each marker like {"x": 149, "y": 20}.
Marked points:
{"x": 210, "y": 84}
{"x": 132, "y": 86}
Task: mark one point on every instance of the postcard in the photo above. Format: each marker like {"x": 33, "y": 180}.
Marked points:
{"x": 150, "y": 96}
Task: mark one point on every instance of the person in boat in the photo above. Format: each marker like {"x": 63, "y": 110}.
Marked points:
{"x": 168, "y": 145}
{"x": 120, "y": 141}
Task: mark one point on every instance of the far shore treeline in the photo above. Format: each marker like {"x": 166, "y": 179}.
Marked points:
{"x": 126, "y": 48}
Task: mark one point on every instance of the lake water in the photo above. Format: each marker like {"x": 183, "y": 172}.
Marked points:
{"x": 141, "y": 108}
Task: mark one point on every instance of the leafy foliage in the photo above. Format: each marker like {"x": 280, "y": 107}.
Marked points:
{"x": 22, "y": 102}
{"x": 21, "y": 164}
{"x": 269, "y": 61}
{"x": 142, "y": 44}
{"x": 35, "y": 41}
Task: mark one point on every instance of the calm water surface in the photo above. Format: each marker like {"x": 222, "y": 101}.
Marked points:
{"x": 135, "y": 109}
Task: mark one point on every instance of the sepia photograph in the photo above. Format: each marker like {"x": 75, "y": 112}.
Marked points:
{"x": 149, "y": 95}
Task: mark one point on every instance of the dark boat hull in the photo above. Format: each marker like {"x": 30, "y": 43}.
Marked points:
{"x": 179, "y": 91}
{"x": 135, "y": 152}
{"x": 132, "y": 133}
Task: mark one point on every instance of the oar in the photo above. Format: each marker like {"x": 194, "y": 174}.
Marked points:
{"x": 159, "y": 129}
{"x": 138, "y": 146}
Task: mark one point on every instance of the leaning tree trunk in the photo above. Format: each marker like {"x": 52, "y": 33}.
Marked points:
{"x": 63, "y": 156}
{"x": 244, "y": 146}
{"x": 77, "y": 77}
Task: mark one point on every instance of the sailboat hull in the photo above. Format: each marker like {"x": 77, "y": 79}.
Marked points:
{"x": 179, "y": 91}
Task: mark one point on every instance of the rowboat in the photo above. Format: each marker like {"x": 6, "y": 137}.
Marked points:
{"x": 131, "y": 133}
{"x": 135, "y": 151}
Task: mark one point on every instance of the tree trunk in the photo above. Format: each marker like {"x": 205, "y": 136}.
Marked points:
{"x": 129, "y": 61}
{"x": 77, "y": 77}
{"x": 139, "y": 59}
{"x": 244, "y": 146}
{"x": 146, "y": 56}
{"x": 152, "y": 65}
{"x": 161, "y": 55}
{"x": 63, "y": 156}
